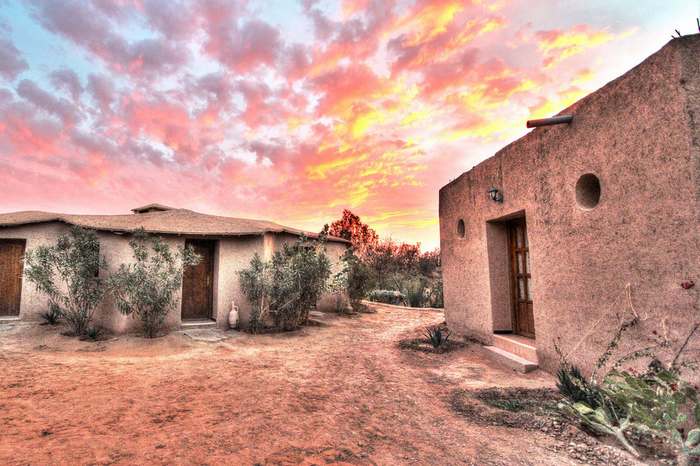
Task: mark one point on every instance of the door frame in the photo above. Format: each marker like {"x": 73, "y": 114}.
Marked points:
{"x": 23, "y": 243}
{"x": 515, "y": 274}
{"x": 211, "y": 245}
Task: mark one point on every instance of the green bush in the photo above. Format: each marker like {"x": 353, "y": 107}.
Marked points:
{"x": 355, "y": 279}
{"x": 436, "y": 298}
{"x": 288, "y": 287}
{"x": 256, "y": 284}
{"x": 660, "y": 402}
{"x": 656, "y": 401}
{"x": 387, "y": 297}
{"x": 593, "y": 405}
{"x": 145, "y": 289}
{"x": 414, "y": 290}
{"x": 68, "y": 273}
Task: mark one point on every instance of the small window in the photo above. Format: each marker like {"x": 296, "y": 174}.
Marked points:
{"x": 460, "y": 228}
{"x": 588, "y": 191}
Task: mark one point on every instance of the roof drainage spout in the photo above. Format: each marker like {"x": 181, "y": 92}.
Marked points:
{"x": 557, "y": 120}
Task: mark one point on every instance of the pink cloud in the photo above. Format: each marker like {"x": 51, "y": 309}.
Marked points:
{"x": 89, "y": 28}
{"x": 343, "y": 85}
{"x": 11, "y": 61}
{"x": 24, "y": 135}
{"x": 68, "y": 81}
{"x": 102, "y": 91}
{"x": 214, "y": 104}
{"x": 242, "y": 49}
{"x": 59, "y": 107}
{"x": 174, "y": 19}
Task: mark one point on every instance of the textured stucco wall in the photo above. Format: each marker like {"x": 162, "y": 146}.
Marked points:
{"x": 230, "y": 256}
{"x": 114, "y": 248}
{"x": 334, "y": 251}
{"x": 233, "y": 255}
{"x": 116, "y": 251}
{"x": 640, "y": 135}
{"x": 33, "y": 303}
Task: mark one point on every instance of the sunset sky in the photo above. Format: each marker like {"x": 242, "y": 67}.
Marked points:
{"x": 292, "y": 110}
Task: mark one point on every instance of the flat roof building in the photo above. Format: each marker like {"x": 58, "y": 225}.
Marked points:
{"x": 559, "y": 235}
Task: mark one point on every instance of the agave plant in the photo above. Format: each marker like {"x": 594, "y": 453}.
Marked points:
{"x": 53, "y": 315}
{"x": 437, "y": 336}
{"x": 93, "y": 333}
{"x": 576, "y": 388}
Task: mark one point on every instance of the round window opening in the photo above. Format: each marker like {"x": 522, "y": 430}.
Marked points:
{"x": 460, "y": 228}
{"x": 588, "y": 191}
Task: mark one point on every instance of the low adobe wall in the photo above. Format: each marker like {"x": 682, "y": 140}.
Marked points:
{"x": 116, "y": 250}
{"x": 231, "y": 256}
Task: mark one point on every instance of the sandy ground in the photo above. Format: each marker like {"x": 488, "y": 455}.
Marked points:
{"x": 338, "y": 393}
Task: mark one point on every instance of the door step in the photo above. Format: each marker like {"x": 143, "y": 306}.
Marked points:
{"x": 517, "y": 345}
{"x": 513, "y": 361}
{"x": 197, "y": 324}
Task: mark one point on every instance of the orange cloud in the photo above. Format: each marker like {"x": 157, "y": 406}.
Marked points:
{"x": 372, "y": 105}
{"x": 557, "y": 45}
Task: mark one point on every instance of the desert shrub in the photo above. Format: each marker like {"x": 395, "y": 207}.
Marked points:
{"x": 393, "y": 265}
{"x": 145, "y": 289}
{"x": 256, "y": 284}
{"x": 414, "y": 290}
{"x": 513, "y": 406}
{"x": 92, "y": 333}
{"x": 355, "y": 279}
{"x": 660, "y": 402}
{"x": 656, "y": 401}
{"x": 435, "y": 296}
{"x": 286, "y": 288}
{"x": 437, "y": 335}
{"x": 339, "y": 287}
{"x": 68, "y": 273}
{"x": 387, "y": 297}
{"x": 53, "y": 315}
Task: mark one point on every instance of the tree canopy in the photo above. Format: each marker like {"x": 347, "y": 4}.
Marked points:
{"x": 351, "y": 228}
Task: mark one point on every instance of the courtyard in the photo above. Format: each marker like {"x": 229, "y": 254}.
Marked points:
{"x": 341, "y": 391}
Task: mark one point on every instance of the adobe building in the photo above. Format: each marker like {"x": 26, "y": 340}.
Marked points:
{"x": 542, "y": 242}
{"x": 225, "y": 244}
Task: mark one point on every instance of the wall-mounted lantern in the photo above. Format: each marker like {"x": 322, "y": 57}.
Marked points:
{"x": 496, "y": 195}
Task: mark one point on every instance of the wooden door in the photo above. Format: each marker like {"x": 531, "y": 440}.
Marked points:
{"x": 521, "y": 278}
{"x": 11, "y": 268}
{"x": 198, "y": 282}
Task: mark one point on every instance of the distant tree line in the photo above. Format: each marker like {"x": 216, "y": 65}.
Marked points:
{"x": 399, "y": 273}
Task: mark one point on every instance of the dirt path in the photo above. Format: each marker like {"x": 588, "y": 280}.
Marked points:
{"x": 340, "y": 393}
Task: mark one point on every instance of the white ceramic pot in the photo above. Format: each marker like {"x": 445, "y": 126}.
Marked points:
{"x": 233, "y": 316}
